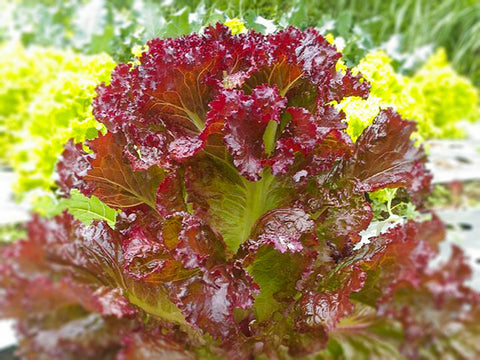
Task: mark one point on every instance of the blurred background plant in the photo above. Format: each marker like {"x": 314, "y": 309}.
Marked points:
{"x": 421, "y": 56}
{"x": 45, "y": 99}
{"x": 435, "y": 96}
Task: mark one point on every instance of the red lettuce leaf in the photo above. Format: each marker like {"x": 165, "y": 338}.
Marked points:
{"x": 68, "y": 334}
{"x": 147, "y": 260}
{"x": 50, "y": 275}
{"x": 399, "y": 258}
{"x": 283, "y": 229}
{"x": 450, "y": 327}
{"x": 110, "y": 177}
{"x": 145, "y": 148}
{"x": 170, "y": 198}
{"x": 72, "y": 167}
{"x": 295, "y": 55}
{"x": 386, "y": 156}
{"x": 141, "y": 346}
{"x": 343, "y": 85}
{"x": 198, "y": 247}
{"x": 207, "y": 300}
{"x": 305, "y": 134}
{"x": 243, "y": 120}
{"x": 172, "y": 250}
{"x": 325, "y": 309}
{"x": 59, "y": 316}
{"x": 342, "y": 216}
{"x": 168, "y": 93}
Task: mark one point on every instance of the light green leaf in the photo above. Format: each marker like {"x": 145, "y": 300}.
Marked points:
{"x": 274, "y": 273}
{"x": 233, "y": 203}
{"x": 88, "y": 209}
{"x": 85, "y": 209}
{"x": 363, "y": 336}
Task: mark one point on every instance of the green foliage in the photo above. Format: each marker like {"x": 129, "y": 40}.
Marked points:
{"x": 90, "y": 26}
{"x": 452, "y": 24}
{"x": 235, "y": 204}
{"x": 390, "y": 208}
{"x": 45, "y": 100}
{"x": 386, "y": 204}
{"x": 446, "y": 96}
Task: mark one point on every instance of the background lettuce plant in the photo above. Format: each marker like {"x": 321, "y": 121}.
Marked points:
{"x": 435, "y": 96}
{"x": 45, "y": 100}
{"x": 242, "y": 211}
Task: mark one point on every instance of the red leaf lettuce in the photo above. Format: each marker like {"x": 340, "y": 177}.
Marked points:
{"x": 242, "y": 204}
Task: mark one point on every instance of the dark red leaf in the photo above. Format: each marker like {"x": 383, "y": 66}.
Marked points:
{"x": 243, "y": 119}
{"x": 198, "y": 246}
{"x": 170, "y": 90}
{"x": 400, "y": 257}
{"x": 170, "y": 196}
{"x": 284, "y": 229}
{"x": 301, "y": 135}
{"x": 72, "y": 167}
{"x": 207, "y": 300}
{"x": 323, "y": 310}
{"x": 145, "y": 148}
{"x": 347, "y": 84}
{"x": 308, "y": 50}
{"x": 145, "y": 259}
{"x": 69, "y": 334}
{"x": 386, "y": 156}
{"x": 142, "y": 345}
{"x": 450, "y": 326}
{"x": 112, "y": 180}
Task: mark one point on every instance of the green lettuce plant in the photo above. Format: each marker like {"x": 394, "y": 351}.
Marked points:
{"x": 45, "y": 100}
{"x": 435, "y": 96}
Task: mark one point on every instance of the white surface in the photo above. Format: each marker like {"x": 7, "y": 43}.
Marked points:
{"x": 7, "y": 335}
{"x": 451, "y": 160}
{"x": 454, "y": 160}
{"x": 467, "y": 238}
{"x": 10, "y": 212}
